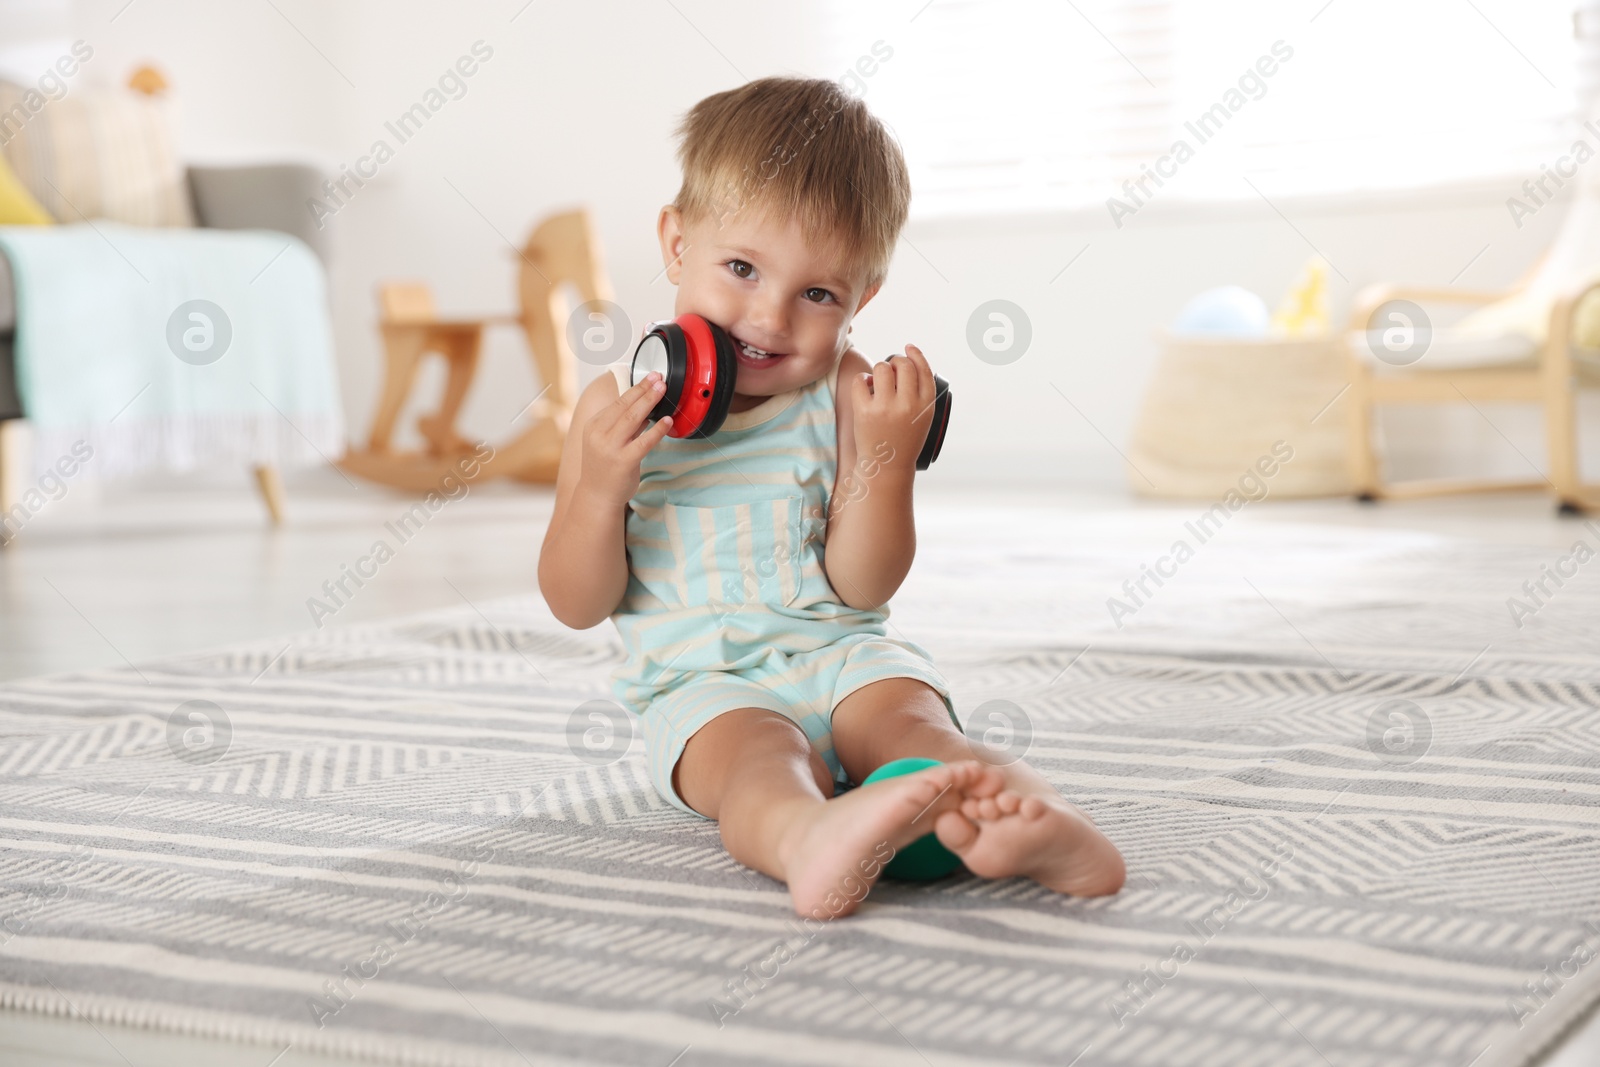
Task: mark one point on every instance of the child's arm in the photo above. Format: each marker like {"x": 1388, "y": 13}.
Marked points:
{"x": 872, "y": 537}
{"x": 583, "y": 564}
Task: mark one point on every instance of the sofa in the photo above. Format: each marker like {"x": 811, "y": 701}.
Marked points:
{"x": 268, "y": 196}
{"x": 256, "y": 197}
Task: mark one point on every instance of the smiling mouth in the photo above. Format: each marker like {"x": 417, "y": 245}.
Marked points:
{"x": 751, "y": 356}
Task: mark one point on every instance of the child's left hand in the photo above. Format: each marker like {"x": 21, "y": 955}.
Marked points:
{"x": 894, "y": 404}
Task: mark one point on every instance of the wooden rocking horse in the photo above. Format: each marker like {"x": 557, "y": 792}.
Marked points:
{"x": 561, "y": 250}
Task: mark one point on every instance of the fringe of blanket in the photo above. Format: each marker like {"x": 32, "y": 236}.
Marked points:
{"x": 229, "y": 1026}
{"x": 187, "y": 442}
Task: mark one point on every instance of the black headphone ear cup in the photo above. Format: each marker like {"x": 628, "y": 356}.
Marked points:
{"x": 722, "y": 392}
{"x": 941, "y": 423}
{"x": 677, "y": 367}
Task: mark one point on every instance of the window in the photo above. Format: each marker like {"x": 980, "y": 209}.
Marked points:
{"x": 1008, "y": 105}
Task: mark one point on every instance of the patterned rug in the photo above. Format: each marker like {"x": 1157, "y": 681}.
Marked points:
{"x": 1357, "y": 787}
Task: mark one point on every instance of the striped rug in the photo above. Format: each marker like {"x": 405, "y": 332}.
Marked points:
{"x": 1359, "y": 793}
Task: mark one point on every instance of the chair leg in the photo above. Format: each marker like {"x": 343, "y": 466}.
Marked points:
{"x": 1561, "y": 427}
{"x": 460, "y": 348}
{"x": 403, "y": 348}
{"x": 270, "y": 483}
{"x": 1362, "y": 454}
{"x": 1558, "y": 388}
{"x": 10, "y": 472}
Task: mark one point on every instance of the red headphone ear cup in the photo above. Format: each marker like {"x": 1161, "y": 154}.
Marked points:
{"x": 712, "y": 367}
{"x": 727, "y": 373}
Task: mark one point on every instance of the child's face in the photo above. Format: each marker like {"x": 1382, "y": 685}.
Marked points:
{"x": 761, "y": 281}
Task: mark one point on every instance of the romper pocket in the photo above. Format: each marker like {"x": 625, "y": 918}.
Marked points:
{"x": 737, "y": 554}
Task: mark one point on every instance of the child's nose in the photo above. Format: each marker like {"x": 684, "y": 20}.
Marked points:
{"x": 770, "y": 316}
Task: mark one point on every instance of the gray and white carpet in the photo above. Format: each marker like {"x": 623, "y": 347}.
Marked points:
{"x": 1360, "y": 806}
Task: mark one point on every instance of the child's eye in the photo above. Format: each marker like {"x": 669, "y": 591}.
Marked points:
{"x": 740, "y": 268}
{"x": 823, "y": 299}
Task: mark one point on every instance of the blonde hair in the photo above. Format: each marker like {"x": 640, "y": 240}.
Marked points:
{"x": 800, "y": 148}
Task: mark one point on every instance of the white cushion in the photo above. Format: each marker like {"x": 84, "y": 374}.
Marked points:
{"x": 1451, "y": 350}
{"x": 98, "y": 154}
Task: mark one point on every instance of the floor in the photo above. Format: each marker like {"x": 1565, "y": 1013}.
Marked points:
{"x": 105, "y": 577}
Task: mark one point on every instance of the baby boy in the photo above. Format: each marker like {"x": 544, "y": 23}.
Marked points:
{"x": 748, "y": 572}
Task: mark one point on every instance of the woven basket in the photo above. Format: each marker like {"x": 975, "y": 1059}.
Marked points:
{"x": 1216, "y": 407}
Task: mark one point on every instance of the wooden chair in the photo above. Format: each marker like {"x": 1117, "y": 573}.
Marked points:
{"x": 562, "y": 250}
{"x": 1463, "y": 365}
{"x": 411, "y": 328}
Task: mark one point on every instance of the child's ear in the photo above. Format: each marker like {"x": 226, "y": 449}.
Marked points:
{"x": 669, "y": 228}
{"x": 871, "y": 292}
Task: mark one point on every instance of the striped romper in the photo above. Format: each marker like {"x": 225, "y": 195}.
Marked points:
{"x": 727, "y": 604}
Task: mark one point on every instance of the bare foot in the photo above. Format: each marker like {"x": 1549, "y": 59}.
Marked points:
{"x": 1042, "y": 838}
{"x": 832, "y": 860}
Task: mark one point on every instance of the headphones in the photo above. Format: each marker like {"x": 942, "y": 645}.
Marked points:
{"x": 697, "y": 360}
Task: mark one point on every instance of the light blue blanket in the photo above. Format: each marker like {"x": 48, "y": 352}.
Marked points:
{"x": 173, "y": 347}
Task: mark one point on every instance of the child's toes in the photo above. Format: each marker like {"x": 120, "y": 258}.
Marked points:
{"x": 935, "y": 780}
{"x": 980, "y": 809}
{"x": 955, "y": 832}
{"x": 1033, "y": 807}
{"x": 937, "y": 793}
{"x": 987, "y": 780}
{"x": 972, "y": 777}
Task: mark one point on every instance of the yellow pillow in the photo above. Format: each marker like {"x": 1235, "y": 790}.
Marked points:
{"x": 17, "y": 205}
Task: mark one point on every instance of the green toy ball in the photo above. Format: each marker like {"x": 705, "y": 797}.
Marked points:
{"x": 924, "y": 859}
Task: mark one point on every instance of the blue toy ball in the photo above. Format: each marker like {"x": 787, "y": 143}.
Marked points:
{"x": 1229, "y": 311}
{"x": 924, "y": 859}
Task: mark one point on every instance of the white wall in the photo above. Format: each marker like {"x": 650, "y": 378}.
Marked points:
{"x": 577, "y": 105}
{"x": 1094, "y": 326}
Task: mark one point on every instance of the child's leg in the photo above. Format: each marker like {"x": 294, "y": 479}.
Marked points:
{"x": 756, "y": 773}
{"x": 1027, "y": 829}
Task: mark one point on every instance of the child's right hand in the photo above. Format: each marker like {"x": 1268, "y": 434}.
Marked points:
{"x": 613, "y": 446}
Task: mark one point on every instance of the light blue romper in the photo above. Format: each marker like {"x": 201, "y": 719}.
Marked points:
{"x": 727, "y": 603}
